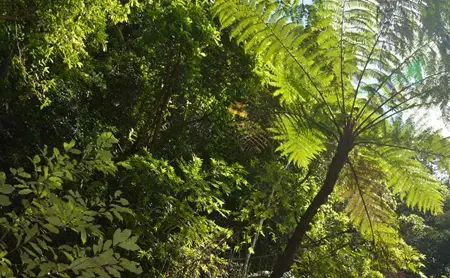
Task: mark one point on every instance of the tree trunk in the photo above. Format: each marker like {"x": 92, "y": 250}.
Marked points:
{"x": 286, "y": 259}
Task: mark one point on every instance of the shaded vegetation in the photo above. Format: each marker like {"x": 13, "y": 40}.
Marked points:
{"x": 181, "y": 138}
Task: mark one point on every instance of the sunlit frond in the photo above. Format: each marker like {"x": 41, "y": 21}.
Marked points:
{"x": 299, "y": 144}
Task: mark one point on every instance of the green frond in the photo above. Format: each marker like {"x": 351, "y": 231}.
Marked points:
{"x": 317, "y": 65}
{"x": 378, "y": 217}
{"x": 290, "y": 88}
{"x": 269, "y": 33}
{"x": 369, "y": 201}
{"x": 410, "y": 179}
{"x": 299, "y": 143}
{"x": 347, "y": 41}
{"x": 407, "y": 165}
{"x": 416, "y": 186}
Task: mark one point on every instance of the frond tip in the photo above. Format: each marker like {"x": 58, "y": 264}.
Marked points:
{"x": 414, "y": 183}
{"x": 408, "y": 178}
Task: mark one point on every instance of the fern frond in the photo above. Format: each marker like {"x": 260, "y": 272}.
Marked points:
{"x": 299, "y": 143}
{"x": 410, "y": 179}
{"x": 368, "y": 199}
{"x": 407, "y": 166}
{"x": 279, "y": 42}
{"x": 413, "y": 182}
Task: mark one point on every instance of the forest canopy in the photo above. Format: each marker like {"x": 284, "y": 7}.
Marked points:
{"x": 226, "y": 138}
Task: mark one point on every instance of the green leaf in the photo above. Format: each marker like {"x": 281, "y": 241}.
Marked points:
{"x": 101, "y": 272}
{"x": 75, "y": 151}
{"x": 36, "y": 248}
{"x": 104, "y": 154}
{"x": 31, "y": 233}
{"x": 121, "y": 236}
{"x": 27, "y": 250}
{"x": 83, "y": 235}
{"x": 124, "y": 164}
{"x": 6, "y": 189}
{"x": 131, "y": 266}
{"x": 87, "y": 274}
{"x": 80, "y": 263}
{"x": 36, "y": 159}
{"x": 68, "y": 146}
{"x": 117, "y": 214}
{"x": 4, "y": 200}
{"x": 25, "y": 175}
{"x": 95, "y": 249}
{"x": 51, "y": 228}
{"x": 42, "y": 244}
{"x": 107, "y": 245}
{"x": 58, "y": 174}
{"x": 25, "y": 191}
{"x": 69, "y": 175}
{"x": 54, "y": 221}
{"x": 299, "y": 144}
{"x": 129, "y": 246}
{"x": 2, "y": 177}
{"x": 113, "y": 271}
{"x": 117, "y": 236}
{"x": 109, "y": 216}
{"x": 108, "y": 137}
{"x": 69, "y": 256}
{"x": 124, "y": 202}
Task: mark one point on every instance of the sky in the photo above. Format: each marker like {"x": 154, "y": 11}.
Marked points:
{"x": 431, "y": 118}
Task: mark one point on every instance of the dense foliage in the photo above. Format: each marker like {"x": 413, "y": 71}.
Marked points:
{"x": 227, "y": 138}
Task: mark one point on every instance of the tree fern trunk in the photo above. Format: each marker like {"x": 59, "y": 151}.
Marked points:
{"x": 286, "y": 259}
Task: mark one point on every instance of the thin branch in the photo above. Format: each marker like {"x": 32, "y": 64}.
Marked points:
{"x": 4, "y": 235}
{"x": 261, "y": 222}
{"x": 305, "y": 178}
{"x": 383, "y": 116}
{"x": 363, "y": 201}
{"x": 397, "y": 112}
{"x": 311, "y": 121}
{"x": 329, "y": 131}
{"x": 360, "y": 126}
{"x": 388, "y": 78}
{"x": 400, "y": 147}
{"x": 364, "y": 70}
{"x": 395, "y": 95}
{"x": 336, "y": 94}
{"x": 321, "y": 240}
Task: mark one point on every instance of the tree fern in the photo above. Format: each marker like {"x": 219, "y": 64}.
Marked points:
{"x": 343, "y": 73}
